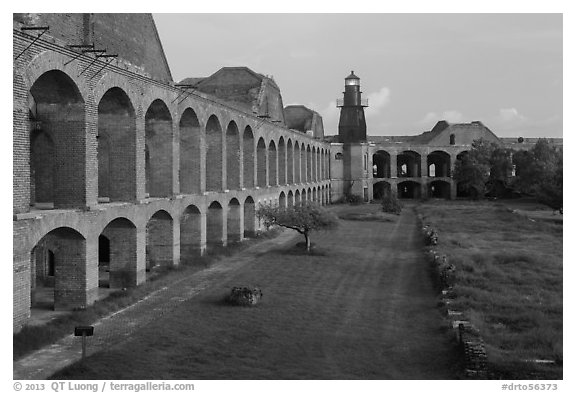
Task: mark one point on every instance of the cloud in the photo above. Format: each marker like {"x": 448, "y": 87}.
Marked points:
{"x": 511, "y": 116}
{"x": 377, "y": 101}
{"x": 330, "y": 117}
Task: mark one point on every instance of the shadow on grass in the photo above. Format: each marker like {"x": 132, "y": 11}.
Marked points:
{"x": 374, "y": 217}
{"x": 298, "y": 249}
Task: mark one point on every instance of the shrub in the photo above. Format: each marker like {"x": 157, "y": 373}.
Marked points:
{"x": 391, "y": 204}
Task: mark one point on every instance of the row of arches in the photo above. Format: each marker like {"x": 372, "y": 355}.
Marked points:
{"x": 409, "y": 189}
{"x": 167, "y": 158}
{"x": 70, "y": 270}
{"x": 412, "y": 164}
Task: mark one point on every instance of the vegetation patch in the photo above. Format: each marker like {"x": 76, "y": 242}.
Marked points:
{"x": 508, "y": 283}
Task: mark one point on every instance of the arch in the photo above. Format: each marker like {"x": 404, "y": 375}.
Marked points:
{"x": 191, "y": 244}
{"x": 282, "y": 162}
{"x": 381, "y": 164}
{"x": 190, "y": 153}
{"x": 234, "y": 221}
{"x": 309, "y": 164}
{"x": 303, "y": 164}
{"x": 61, "y": 278}
{"x": 158, "y": 148}
{"x": 272, "y": 164}
{"x": 314, "y": 195}
{"x": 408, "y": 163}
{"x": 215, "y": 226}
{"x": 297, "y": 163}
{"x": 315, "y": 164}
{"x": 409, "y": 190}
{"x": 440, "y": 162}
{"x": 282, "y": 199}
{"x": 233, "y": 166}
{"x": 289, "y": 162}
{"x": 248, "y": 152}
{"x": 309, "y": 195}
{"x": 249, "y": 217}
{"x": 116, "y": 149}
{"x": 304, "y": 197}
{"x": 290, "y": 200}
{"x": 159, "y": 241}
{"x": 261, "y": 176}
{"x": 103, "y": 261}
{"x": 58, "y": 114}
{"x": 452, "y": 139}
{"x": 127, "y": 268}
{"x": 214, "y": 156}
{"x": 381, "y": 189}
{"x": 439, "y": 189}
{"x": 297, "y": 198}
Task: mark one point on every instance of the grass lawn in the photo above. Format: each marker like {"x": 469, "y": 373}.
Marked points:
{"x": 509, "y": 282}
{"x": 362, "y": 307}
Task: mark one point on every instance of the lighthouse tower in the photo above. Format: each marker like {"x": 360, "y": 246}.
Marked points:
{"x": 352, "y": 125}
{"x": 351, "y": 165}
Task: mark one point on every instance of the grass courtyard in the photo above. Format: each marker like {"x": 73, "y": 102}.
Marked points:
{"x": 509, "y": 281}
{"x": 362, "y": 306}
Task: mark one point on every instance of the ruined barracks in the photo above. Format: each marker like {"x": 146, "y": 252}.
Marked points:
{"x": 118, "y": 170}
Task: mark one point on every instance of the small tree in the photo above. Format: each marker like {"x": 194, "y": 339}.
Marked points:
{"x": 302, "y": 218}
{"x": 391, "y": 203}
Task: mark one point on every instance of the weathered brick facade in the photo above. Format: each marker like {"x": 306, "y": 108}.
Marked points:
{"x": 119, "y": 155}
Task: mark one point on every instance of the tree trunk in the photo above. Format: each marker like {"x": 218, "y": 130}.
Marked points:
{"x": 307, "y": 241}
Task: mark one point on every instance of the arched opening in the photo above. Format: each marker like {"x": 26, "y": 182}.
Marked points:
{"x": 248, "y": 146}
{"x": 409, "y": 190}
{"x": 249, "y": 218}
{"x": 308, "y": 164}
{"x": 303, "y": 163}
{"x": 282, "y": 162}
{"x": 232, "y": 157}
{"x": 439, "y": 189}
{"x": 59, "y": 136}
{"x": 190, "y": 153}
{"x": 290, "y": 162}
{"x": 381, "y": 189}
{"x": 214, "y": 226}
{"x": 440, "y": 162}
{"x": 409, "y": 164}
{"x": 314, "y": 195}
{"x": 59, "y": 276}
{"x": 159, "y": 241}
{"x": 234, "y": 221}
{"x": 116, "y": 147}
{"x": 126, "y": 270}
{"x": 158, "y": 128}
{"x": 190, "y": 235}
{"x": 314, "y": 165}
{"x": 304, "y": 197}
{"x": 282, "y": 200}
{"x": 297, "y": 198}
{"x": 290, "y": 199}
{"x": 272, "y": 164}
{"x": 103, "y": 262}
{"x": 381, "y": 164}
{"x": 297, "y": 170}
{"x": 214, "y": 155}
{"x": 261, "y": 163}
{"x": 452, "y": 139}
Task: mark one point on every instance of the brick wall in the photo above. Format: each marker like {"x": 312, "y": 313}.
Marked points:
{"x": 272, "y": 164}
{"x": 234, "y": 224}
{"x": 159, "y": 241}
{"x": 190, "y": 235}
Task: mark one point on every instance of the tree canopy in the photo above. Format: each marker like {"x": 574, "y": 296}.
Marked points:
{"x": 301, "y": 218}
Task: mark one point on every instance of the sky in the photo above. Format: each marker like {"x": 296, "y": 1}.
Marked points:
{"x": 415, "y": 69}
